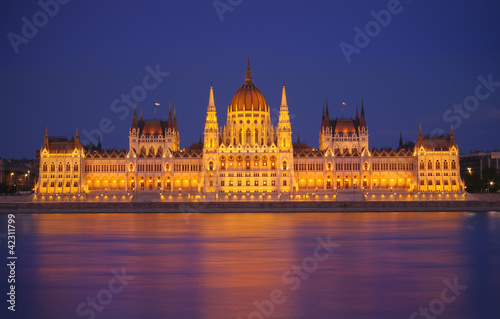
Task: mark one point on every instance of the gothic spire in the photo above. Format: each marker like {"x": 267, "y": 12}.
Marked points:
{"x": 141, "y": 118}
{"x": 170, "y": 122}
{"x": 452, "y": 135}
{"x": 420, "y": 135}
{"x": 46, "y": 139}
{"x": 77, "y": 137}
{"x": 283, "y": 96}
{"x": 362, "y": 120}
{"x": 134, "y": 118}
{"x": 248, "y": 76}
{"x": 175, "y": 119}
{"x": 211, "y": 101}
{"x": 326, "y": 114}
{"x": 357, "y": 116}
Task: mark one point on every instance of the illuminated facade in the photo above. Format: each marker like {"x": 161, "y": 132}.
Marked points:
{"x": 249, "y": 155}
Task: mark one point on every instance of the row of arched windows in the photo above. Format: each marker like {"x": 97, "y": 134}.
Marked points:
{"x": 248, "y": 162}
{"x": 437, "y": 164}
{"x": 60, "y": 167}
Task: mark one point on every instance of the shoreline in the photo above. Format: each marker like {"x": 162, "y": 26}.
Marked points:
{"x": 247, "y": 207}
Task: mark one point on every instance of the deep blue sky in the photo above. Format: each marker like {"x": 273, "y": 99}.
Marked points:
{"x": 424, "y": 61}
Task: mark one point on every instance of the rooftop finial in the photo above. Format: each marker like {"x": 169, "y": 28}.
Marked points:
{"x": 248, "y": 77}
{"x": 211, "y": 101}
{"x": 283, "y": 96}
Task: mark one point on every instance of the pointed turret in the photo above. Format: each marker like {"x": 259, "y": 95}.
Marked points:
{"x": 211, "y": 101}
{"x": 452, "y": 136}
{"x": 327, "y": 116}
{"x": 248, "y": 76}
{"x": 46, "y": 139}
{"x": 77, "y": 138}
{"x": 170, "y": 121}
{"x": 211, "y": 133}
{"x": 283, "y": 97}
{"x": 134, "y": 118}
{"x": 175, "y": 120}
{"x": 99, "y": 146}
{"x": 420, "y": 135}
{"x": 362, "y": 121}
{"x": 284, "y": 129}
{"x": 357, "y": 116}
{"x": 141, "y": 118}
{"x": 401, "y": 146}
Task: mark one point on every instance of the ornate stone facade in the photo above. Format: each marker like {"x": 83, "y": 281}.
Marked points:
{"x": 249, "y": 155}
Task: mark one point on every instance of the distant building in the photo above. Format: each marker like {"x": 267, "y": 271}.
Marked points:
{"x": 19, "y": 174}
{"x": 476, "y": 161}
{"x": 249, "y": 155}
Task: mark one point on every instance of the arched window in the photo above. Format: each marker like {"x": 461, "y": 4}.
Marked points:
{"x": 222, "y": 162}
{"x": 247, "y": 162}
{"x": 248, "y": 137}
{"x": 75, "y": 167}
{"x": 160, "y": 151}
{"x": 329, "y": 166}
{"x": 151, "y": 151}
{"x": 273, "y": 162}
{"x": 131, "y": 167}
{"x": 143, "y": 151}
{"x": 422, "y": 165}
{"x": 256, "y": 161}
{"x": 445, "y": 164}
{"x": 44, "y": 167}
{"x": 240, "y": 138}
{"x": 438, "y": 165}
{"x": 284, "y": 165}
{"x": 366, "y": 166}
{"x": 429, "y": 165}
{"x": 231, "y": 160}
{"x": 60, "y": 167}
{"x": 453, "y": 164}
{"x": 239, "y": 161}
{"x": 210, "y": 166}
{"x": 264, "y": 161}
{"x": 68, "y": 167}
{"x": 52, "y": 167}
{"x": 167, "y": 167}
{"x": 256, "y": 136}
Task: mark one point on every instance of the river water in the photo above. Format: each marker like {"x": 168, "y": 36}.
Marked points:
{"x": 255, "y": 265}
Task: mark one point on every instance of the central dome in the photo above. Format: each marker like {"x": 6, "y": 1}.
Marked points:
{"x": 248, "y": 97}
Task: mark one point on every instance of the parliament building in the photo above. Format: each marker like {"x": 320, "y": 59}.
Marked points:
{"x": 248, "y": 158}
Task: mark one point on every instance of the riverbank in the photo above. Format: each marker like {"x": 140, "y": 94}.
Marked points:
{"x": 226, "y": 207}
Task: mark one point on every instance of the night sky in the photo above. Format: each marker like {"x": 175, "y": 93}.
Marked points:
{"x": 430, "y": 56}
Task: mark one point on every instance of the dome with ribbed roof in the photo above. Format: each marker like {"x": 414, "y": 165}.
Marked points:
{"x": 248, "y": 97}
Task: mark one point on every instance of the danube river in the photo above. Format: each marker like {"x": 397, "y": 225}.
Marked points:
{"x": 254, "y": 265}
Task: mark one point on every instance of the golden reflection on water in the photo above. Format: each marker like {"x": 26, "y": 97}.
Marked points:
{"x": 217, "y": 265}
